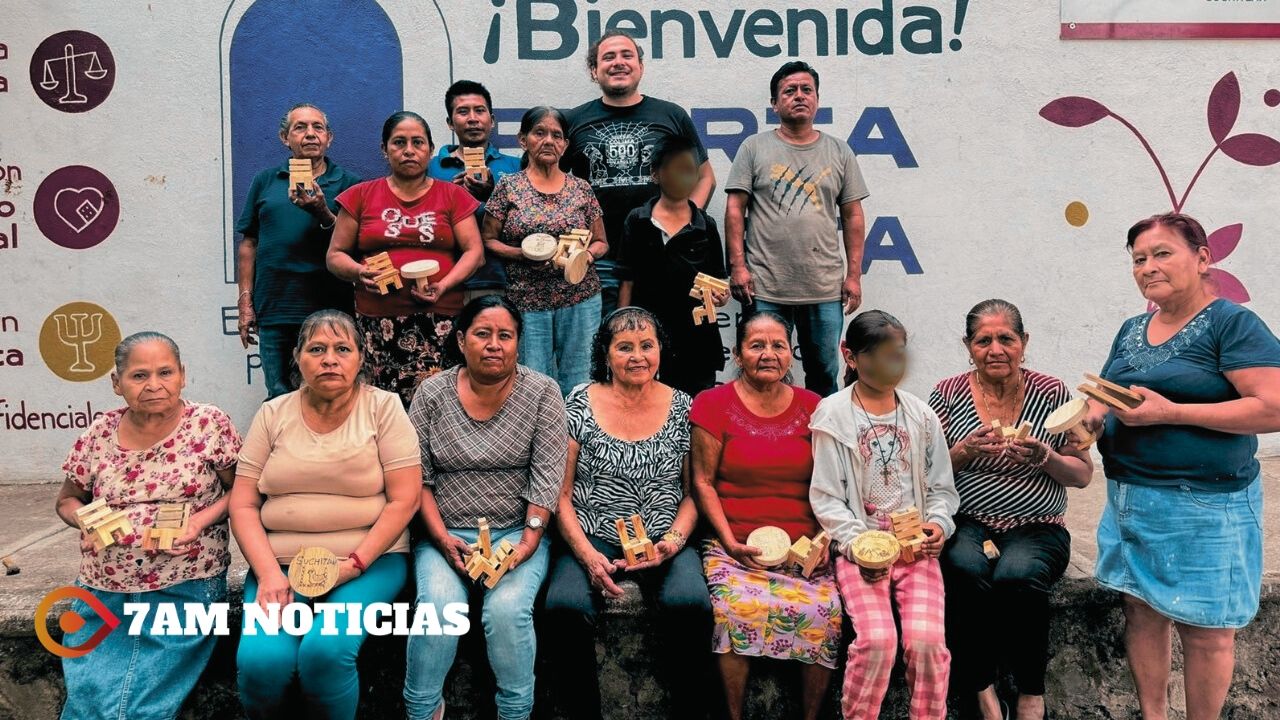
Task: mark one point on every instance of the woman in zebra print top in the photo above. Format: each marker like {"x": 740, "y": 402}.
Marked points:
{"x": 1013, "y": 493}
{"x": 628, "y": 455}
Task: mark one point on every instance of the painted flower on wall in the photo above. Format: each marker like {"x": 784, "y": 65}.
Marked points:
{"x": 1223, "y": 110}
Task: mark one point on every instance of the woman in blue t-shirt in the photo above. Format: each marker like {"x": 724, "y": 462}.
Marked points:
{"x": 1181, "y": 535}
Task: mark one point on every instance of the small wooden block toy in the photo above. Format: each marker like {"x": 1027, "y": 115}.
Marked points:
{"x": 774, "y": 544}
{"x": 420, "y": 271}
{"x": 473, "y": 160}
{"x": 486, "y": 561}
{"x": 104, "y": 526}
{"x": 637, "y": 547}
{"x": 704, "y": 286}
{"x": 313, "y": 571}
{"x": 1011, "y": 433}
{"x": 572, "y": 256}
{"x": 1023, "y": 431}
{"x": 1109, "y": 393}
{"x": 875, "y": 549}
{"x": 539, "y": 247}
{"x": 807, "y": 554}
{"x": 300, "y": 178}
{"x": 170, "y": 524}
{"x": 387, "y": 275}
{"x": 1070, "y": 419}
{"x": 990, "y": 550}
{"x": 907, "y": 528}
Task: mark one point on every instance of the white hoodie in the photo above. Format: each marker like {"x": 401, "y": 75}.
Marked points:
{"x": 843, "y": 465}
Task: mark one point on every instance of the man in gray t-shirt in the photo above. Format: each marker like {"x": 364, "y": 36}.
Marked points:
{"x": 794, "y": 226}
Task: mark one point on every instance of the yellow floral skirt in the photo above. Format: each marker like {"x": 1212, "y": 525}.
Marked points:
{"x": 762, "y": 613}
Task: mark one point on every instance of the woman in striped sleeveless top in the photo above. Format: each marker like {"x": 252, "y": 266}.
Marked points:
{"x": 1013, "y": 493}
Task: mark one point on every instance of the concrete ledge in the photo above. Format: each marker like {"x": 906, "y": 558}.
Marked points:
{"x": 1089, "y": 677}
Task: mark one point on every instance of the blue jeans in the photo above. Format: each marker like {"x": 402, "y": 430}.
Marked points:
{"x": 137, "y": 677}
{"x": 507, "y": 616}
{"x": 609, "y": 285}
{"x": 275, "y": 348}
{"x": 324, "y": 665}
{"x": 818, "y": 328}
{"x": 558, "y": 342}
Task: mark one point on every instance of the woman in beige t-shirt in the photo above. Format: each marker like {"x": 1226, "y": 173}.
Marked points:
{"x": 334, "y": 464}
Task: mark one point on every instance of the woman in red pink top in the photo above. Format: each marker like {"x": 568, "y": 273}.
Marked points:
{"x": 410, "y": 217}
{"x": 752, "y": 462}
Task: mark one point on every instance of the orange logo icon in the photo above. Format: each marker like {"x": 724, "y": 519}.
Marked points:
{"x": 71, "y": 621}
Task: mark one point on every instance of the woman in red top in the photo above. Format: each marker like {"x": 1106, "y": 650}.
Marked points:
{"x": 410, "y": 217}
{"x": 752, "y": 460}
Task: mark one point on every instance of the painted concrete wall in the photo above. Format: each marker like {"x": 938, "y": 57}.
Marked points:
{"x": 118, "y": 190}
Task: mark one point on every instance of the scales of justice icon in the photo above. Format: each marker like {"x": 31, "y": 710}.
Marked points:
{"x": 70, "y": 62}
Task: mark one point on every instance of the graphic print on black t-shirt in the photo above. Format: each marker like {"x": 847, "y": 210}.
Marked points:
{"x": 619, "y": 154}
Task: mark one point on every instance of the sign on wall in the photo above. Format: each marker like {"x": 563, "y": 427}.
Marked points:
{"x": 1001, "y": 161}
{"x": 1163, "y": 19}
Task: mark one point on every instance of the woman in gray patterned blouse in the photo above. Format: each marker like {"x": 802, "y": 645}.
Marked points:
{"x": 492, "y": 436}
{"x": 628, "y": 455}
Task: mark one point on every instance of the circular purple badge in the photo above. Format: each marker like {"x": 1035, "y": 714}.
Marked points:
{"x": 73, "y": 71}
{"x": 76, "y": 207}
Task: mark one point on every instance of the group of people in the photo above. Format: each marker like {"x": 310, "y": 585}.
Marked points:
{"x": 499, "y": 392}
{"x": 629, "y": 168}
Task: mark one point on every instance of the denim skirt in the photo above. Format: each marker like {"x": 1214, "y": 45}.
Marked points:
{"x": 1194, "y": 556}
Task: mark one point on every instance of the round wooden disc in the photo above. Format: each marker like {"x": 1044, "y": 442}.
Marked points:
{"x": 539, "y": 246}
{"x": 875, "y": 549}
{"x": 774, "y": 544}
{"x": 420, "y": 269}
{"x": 1063, "y": 418}
{"x": 313, "y": 571}
{"x": 575, "y": 271}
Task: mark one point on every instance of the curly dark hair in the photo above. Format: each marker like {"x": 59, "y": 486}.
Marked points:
{"x": 620, "y": 320}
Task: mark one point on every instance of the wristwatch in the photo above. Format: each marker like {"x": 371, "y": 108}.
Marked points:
{"x": 534, "y": 522}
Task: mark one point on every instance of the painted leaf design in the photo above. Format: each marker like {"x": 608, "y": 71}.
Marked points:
{"x": 1223, "y": 241}
{"x": 1224, "y": 107}
{"x": 1074, "y": 111}
{"x": 1228, "y": 286}
{"x": 1252, "y": 149}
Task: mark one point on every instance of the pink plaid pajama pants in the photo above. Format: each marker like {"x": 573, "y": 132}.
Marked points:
{"x": 917, "y": 591}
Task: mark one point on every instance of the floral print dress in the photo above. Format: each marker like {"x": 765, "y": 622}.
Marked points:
{"x": 182, "y": 468}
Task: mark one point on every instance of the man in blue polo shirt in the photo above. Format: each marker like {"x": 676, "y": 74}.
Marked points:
{"x": 285, "y": 235}
{"x": 470, "y": 117}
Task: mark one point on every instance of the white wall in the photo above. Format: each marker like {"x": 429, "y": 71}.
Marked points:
{"x": 983, "y": 211}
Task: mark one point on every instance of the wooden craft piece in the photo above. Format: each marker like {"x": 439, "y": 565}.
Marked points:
{"x": 104, "y": 526}
{"x": 636, "y": 546}
{"x": 875, "y": 549}
{"x": 571, "y": 255}
{"x": 170, "y": 524}
{"x": 473, "y": 161}
{"x": 1070, "y": 419}
{"x": 806, "y": 554}
{"x": 387, "y": 276}
{"x": 486, "y": 561}
{"x": 704, "y": 287}
{"x": 420, "y": 271}
{"x": 539, "y": 247}
{"x": 1023, "y": 431}
{"x": 313, "y": 571}
{"x": 990, "y": 550}
{"x": 1109, "y": 393}
{"x": 908, "y": 528}
{"x": 773, "y": 542}
{"x": 300, "y": 177}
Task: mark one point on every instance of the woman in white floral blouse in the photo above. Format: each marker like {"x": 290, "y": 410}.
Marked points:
{"x": 157, "y": 450}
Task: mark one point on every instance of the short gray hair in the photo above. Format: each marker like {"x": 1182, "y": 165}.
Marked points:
{"x": 126, "y": 346}
{"x": 284, "y": 121}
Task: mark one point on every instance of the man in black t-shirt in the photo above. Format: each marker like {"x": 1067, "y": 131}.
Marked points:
{"x": 611, "y": 142}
